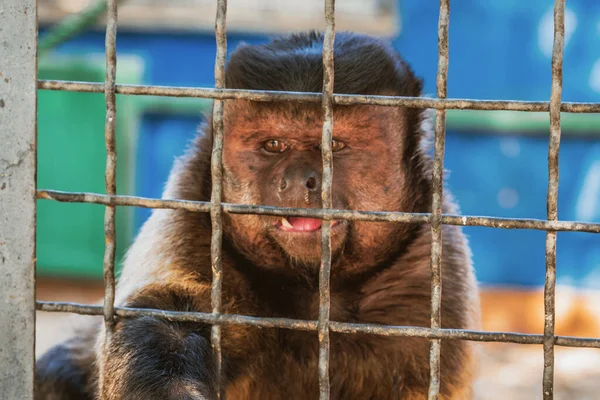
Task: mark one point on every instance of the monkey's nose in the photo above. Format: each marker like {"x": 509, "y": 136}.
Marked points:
{"x": 311, "y": 183}
{"x": 300, "y": 180}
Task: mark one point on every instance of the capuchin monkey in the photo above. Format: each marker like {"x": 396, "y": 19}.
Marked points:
{"x": 380, "y": 271}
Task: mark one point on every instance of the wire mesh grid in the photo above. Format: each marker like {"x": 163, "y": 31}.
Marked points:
{"x": 323, "y": 326}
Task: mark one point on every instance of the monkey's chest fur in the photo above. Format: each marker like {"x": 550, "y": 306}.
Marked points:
{"x": 283, "y": 364}
{"x": 288, "y": 369}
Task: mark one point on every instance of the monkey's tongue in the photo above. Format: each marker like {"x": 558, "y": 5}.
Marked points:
{"x": 304, "y": 224}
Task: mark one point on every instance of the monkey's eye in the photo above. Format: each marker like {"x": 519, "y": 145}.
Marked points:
{"x": 336, "y": 145}
{"x": 274, "y": 146}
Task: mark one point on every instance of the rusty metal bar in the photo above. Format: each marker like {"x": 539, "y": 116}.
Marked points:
{"x": 18, "y": 163}
{"x": 342, "y": 99}
{"x": 326, "y": 153}
{"x": 552, "y": 199}
{"x": 216, "y": 165}
{"x": 436, "y": 218}
{"x": 437, "y": 183}
{"x": 376, "y": 216}
{"x": 111, "y": 166}
{"x": 303, "y": 325}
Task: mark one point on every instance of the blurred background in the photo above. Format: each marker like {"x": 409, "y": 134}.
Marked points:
{"x": 497, "y": 161}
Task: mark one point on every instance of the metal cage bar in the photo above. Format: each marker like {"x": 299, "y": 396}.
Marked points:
{"x": 216, "y": 207}
{"x": 437, "y": 183}
{"x": 350, "y": 215}
{"x": 334, "y": 326}
{"x": 552, "y": 199}
{"x": 18, "y": 159}
{"x": 111, "y": 166}
{"x": 326, "y": 153}
{"x": 341, "y": 99}
{"x": 216, "y": 165}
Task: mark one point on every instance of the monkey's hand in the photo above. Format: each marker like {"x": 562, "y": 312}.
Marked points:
{"x": 153, "y": 358}
{"x": 67, "y": 370}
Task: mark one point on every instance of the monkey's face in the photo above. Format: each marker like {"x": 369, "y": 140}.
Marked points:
{"x": 272, "y": 156}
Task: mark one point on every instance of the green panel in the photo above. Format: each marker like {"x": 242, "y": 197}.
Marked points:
{"x": 71, "y": 157}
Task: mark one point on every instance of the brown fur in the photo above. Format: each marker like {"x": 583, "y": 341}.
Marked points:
{"x": 380, "y": 271}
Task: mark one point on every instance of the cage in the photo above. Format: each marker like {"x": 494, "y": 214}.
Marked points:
{"x": 18, "y": 170}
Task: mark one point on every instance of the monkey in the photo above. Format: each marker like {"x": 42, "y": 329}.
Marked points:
{"x": 380, "y": 271}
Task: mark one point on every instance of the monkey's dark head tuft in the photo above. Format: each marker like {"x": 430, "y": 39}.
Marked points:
{"x": 363, "y": 65}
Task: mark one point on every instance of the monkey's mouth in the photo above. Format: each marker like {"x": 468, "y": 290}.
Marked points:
{"x": 300, "y": 224}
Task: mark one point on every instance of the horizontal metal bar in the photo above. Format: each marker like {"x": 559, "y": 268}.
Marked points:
{"x": 375, "y": 216}
{"x": 178, "y": 316}
{"x": 304, "y": 325}
{"x": 342, "y": 99}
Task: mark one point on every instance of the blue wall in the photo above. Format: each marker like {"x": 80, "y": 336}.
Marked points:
{"x": 506, "y": 176}
{"x": 498, "y": 49}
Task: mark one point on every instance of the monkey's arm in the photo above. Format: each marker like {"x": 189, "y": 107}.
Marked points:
{"x": 67, "y": 370}
{"x": 153, "y": 358}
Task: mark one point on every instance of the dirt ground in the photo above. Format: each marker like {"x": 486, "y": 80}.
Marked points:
{"x": 507, "y": 371}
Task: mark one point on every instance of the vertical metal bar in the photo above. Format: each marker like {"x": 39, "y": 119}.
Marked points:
{"x": 552, "y": 199}
{"x": 111, "y": 165}
{"x": 18, "y": 150}
{"x": 326, "y": 152}
{"x": 437, "y": 201}
{"x": 217, "y": 186}
{"x": 110, "y": 124}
